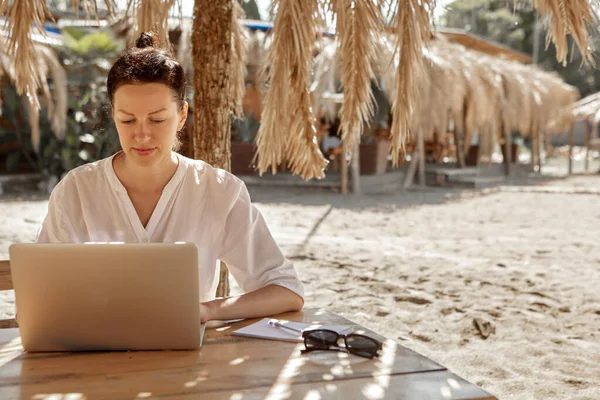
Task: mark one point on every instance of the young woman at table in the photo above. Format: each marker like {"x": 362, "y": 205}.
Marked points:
{"x": 149, "y": 193}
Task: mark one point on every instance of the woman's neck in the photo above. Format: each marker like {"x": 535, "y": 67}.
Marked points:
{"x": 145, "y": 179}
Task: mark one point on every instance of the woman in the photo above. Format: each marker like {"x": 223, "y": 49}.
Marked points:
{"x": 149, "y": 193}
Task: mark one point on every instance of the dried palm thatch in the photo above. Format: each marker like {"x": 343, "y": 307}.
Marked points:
{"x": 567, "y": 17}
{"x": 412, "y": 29}
{"x": 57, "y": 105}
{"x": 45, "y": 64}
{"x": 33, "y": 113}
{"x": 474, "y": 92}
{"x": 324, "y": 87}
{"x": 238, "y": 60}
{"x": 587, "y": 108}
{"x": 152, "y": 16}
{"x": 24, "y": 17}
{"x": 91, "y": 7}
{"x": 288, "y": 101}
{"x": 559, "y": 101}
{"x": 446, "y": 91}
{"x": 359, "y": 26}
{"x": 431, "y": 108}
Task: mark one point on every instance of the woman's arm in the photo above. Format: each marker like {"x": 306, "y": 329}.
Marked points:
{"x": 268, "y": 279}
{"x": 269, "y": 300}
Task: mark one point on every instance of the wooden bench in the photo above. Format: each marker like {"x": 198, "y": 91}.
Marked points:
{"x": 6, "y": 284}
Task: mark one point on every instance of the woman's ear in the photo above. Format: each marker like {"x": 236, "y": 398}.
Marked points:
{"x": 183, "y": 116}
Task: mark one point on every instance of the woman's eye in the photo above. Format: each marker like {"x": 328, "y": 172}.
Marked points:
{"x": 158, "y": 121}
{"x": 128, "y": 122}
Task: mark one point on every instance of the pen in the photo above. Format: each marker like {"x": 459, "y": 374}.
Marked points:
{"x": 279, "y": 324}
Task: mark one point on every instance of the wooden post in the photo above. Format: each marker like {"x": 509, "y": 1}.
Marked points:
{"x": 587, "y": 145}
{"x": 460, "y": 126}
{"x": 459, "y": 137}
{"x": 421, "y": 147}
{"x": 541, "y": 141}
{"x": 355, "y": 166}
{"x": 507, "y": 151}
{"x": 571, "y": 144}
{"x": 344, "y": 167}
{"x": 211, "y": 54}
{"x": 412, "y": 168}
{"x": 535, "y": 153}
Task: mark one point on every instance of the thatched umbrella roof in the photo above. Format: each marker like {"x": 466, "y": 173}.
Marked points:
{"x": 288, "y": 129}
{"x": 587, "y": 109}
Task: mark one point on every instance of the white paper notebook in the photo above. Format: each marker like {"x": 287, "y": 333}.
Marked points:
{"x": 264, "y": 330}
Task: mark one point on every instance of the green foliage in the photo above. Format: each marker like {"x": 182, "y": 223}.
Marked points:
{"x": 90, "y": 44}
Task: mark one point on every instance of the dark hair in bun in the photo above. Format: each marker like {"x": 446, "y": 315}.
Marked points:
{"x": 145, "y": 40}
{"x": 145, "y": 63}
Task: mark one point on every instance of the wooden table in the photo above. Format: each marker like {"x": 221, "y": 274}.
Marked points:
{"x": 229, "y": 367}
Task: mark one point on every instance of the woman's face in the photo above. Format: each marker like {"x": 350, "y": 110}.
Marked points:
{"x": 147, "y": 120}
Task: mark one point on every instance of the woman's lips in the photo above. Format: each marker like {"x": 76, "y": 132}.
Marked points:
{"x": 143, "y": 152}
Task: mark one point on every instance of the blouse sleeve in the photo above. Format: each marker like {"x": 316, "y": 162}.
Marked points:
{"x": 251, "y": 253}
{"x": 57, "y": 228}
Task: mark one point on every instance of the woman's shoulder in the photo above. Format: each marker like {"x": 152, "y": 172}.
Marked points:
{"x": 205, "y": 174}
{"x": 87, "y": 175}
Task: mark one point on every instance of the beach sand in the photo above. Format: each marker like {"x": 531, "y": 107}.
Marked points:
{"x": 420, "y": 267}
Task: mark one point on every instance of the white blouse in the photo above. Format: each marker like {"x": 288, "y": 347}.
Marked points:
{"x": 200, "y": 204}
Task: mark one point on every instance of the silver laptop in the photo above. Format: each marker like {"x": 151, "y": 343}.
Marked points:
{"x": 105, "y": 297}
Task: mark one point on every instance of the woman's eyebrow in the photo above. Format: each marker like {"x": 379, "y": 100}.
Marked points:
{"x": 153, "y": 112}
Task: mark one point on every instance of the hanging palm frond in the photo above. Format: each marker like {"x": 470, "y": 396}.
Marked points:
{"x": 302, "y": 149}
{"x": 33, "y": 114}
{"x": 564, "y": 18}
{"x": 56, "y": 101}
{"x": 25, "y": 17}
{"x": 153, "y": 16}
{"x": 412, "y": 29}
{"x": 58, "y": 112}
{"x": 270, "y": 141}
{"x": 238, "y": 60}
{"x": 288, "y": 101}
{"x": 359, "y": 27}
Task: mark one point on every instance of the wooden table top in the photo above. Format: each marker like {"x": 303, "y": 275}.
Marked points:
{"x": 229, "y": 367}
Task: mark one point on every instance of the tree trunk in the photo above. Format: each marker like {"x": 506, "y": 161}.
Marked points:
{"x": 211, "y": 52}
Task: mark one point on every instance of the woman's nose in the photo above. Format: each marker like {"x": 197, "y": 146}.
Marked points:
{"x": 142, "y": 133}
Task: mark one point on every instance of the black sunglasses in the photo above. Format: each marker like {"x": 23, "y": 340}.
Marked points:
{"x": 324, "y": 339}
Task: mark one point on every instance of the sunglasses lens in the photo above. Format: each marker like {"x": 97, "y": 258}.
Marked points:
{"x": 320, "y": 339}
{"x": 361, "y": 345}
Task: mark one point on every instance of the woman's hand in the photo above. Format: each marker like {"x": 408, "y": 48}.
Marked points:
{"x": 266, "y": 301}
{"x": 204, "y": 313}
